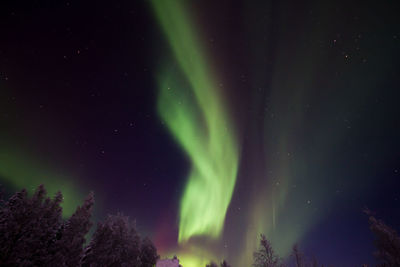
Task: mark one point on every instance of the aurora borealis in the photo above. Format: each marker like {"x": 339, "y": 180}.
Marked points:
{"x": 209, "y": 122}
{"x": 33, "y": 171}
{"x": 202, "y": 127}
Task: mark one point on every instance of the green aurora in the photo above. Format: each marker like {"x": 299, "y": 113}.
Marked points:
{"x": 196, "y": 116}
{"x": 34, "y": 173}
{"x": 193, "y": 111}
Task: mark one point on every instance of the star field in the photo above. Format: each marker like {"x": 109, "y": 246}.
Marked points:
{"x": 209, "y": 122}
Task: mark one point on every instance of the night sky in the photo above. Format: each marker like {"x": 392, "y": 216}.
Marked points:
{"x": 209, "y": 122}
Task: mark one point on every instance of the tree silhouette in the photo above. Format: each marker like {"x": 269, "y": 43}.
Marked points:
{"x": 71, "y": 237}
{"x": 28, "y": 228}
{"x": 298, "y": 256}
{"x": 32, "y": 233}
{"x": 148, "y": 253}
{"x": 114, "y": 243}
{"x": 386, "y": 241}
{"x": 265, "y": 255}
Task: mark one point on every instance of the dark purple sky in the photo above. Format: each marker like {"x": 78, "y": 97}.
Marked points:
{"x": 78, "y": 96}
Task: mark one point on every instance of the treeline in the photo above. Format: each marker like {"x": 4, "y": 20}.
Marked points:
{"x": 387, "y": 243}
{"x": 33, "y": 233}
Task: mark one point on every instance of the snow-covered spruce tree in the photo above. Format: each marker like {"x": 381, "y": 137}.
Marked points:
{"x": 148, "y": 253}
{"x": 386, "y": 241}
{"x": 70, "y": 239}
{"x": 28, "y": 227}
{"x": 114, "y": 243}
{"x": 265, "y": 255}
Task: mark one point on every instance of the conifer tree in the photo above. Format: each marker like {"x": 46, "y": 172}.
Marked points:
{"x": 148, "y": 253}
{"x": 71, "y": 237}
{"x": 28, "y": 227}
{"x": 386, "y": 241}
{"x": 265, "y": 255}
{"x": 114, "y": 243}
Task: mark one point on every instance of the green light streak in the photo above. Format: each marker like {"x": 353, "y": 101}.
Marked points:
{"x": 20, "y": 172}
{"x": 196, "y": 117}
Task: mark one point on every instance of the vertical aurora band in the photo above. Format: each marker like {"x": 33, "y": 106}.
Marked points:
{"x": 194, "y": 113}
